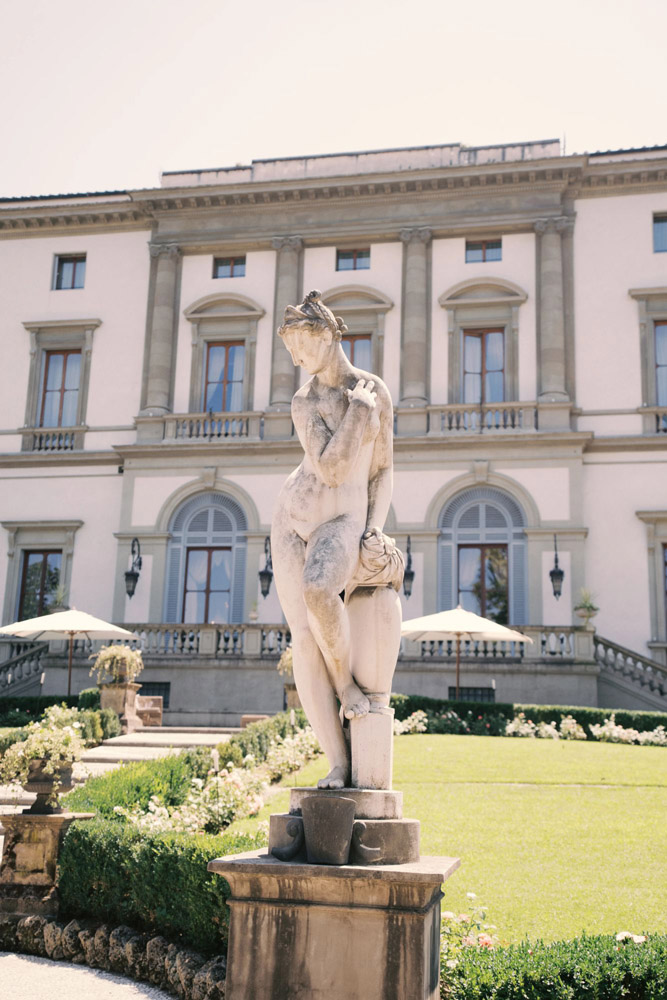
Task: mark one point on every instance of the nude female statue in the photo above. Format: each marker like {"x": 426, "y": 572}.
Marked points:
{"x": 327, "y": 537}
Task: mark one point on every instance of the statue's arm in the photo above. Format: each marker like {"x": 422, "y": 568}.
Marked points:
{"x": 381, "y": 477}
{"x": 333, "y": 455}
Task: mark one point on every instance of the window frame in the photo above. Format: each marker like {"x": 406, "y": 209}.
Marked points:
{"x": 205, "y": 383}
{"x": 652, "y": 310}
{"x": 483, "y": 546}
{"x": 236, "y": 260}
{"x": 484, "y": 244}
{"x": 25, "y": 557}
{"x": 482, "y": 333}
{"x": 48, "y": 354}
{"x": 210, "y": 549}
{"x": 655, "y": 522}
{"x": 354, "y": 339}
{"x": 35, "y": 536}
{"x": 76, "y": 259}
{"x": 53, "y": 336}
{"x": 355, "y": 251}
{"x": 659, "y": 218}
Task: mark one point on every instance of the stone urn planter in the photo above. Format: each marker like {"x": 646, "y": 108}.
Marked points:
{"x": 122, "y": 698}
{"x": 43, "y": 783}
{"x": 292, "y": 699}
{"x": 122, "y": 664}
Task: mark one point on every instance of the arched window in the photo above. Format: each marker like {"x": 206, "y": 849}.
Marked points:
{"x": 482, "y": 556}
{"x": 206, "y": 561}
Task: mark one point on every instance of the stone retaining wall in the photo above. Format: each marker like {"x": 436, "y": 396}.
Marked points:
{"x": 178, "y": 971}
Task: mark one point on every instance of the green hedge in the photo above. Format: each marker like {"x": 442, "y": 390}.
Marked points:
{"x": 256, "y": 738}
{"x": 96, "y": 726}
{"x": 19, "y": 711}
{"x": 134, "y": 784}
{"x": 405, "y": 704}
{"x": 154, "y": 882}
{"x": 89, "y": 698}
{"x": 588, "y": 968}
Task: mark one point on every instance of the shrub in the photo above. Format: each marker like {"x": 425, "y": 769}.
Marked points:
{"x": 255, "y": 740}
{"x": 89, "y": 698}
{"x": 154, "y": 882}
{"x": 135, "y": 784}
{"x": 110, "y": 723}
{"x": 405, "y": 704}
{"x": 604, "y": 968}
{"x": 32, "y": 705}
{"x": 13, "y": 736}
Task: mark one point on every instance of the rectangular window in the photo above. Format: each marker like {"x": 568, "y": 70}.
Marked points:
{"x": 358, "y": 350}
{"x": 70, "y": 272}
{"x": 229, "y": 267}
{"x": 60, "y": 388}
{"x": 157, "y": 689}
{"x": 483, "y": 366}
{"x": 661, "y": 363}
{"x": 482, "y": 575}
{"x": 207, "y": 588}
{"x": 660, "y": 233}
{"x": 478, "y": 251}
{"x": 223, "y": 378}
{"x": 40, "y": 575}
{"x": 353, "y": 260}
{"x": 473, "y": 694}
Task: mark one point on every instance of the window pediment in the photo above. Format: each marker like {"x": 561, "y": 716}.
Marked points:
{"x": 357, "y": 298}
{"x": 223, "y": 307}
{"x": 488, "y": 292}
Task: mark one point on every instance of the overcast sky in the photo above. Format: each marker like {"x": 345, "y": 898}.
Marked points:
{"x": 104, "y": 96}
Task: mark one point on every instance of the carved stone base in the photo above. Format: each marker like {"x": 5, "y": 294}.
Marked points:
{"x": 370, "y": 803}
{"x": 397, "y": 840}
{"x": 29, "y": 859}
{"x": 314, "y": 932}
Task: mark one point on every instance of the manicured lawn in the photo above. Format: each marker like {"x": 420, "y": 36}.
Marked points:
{"x": 554, "y": 838}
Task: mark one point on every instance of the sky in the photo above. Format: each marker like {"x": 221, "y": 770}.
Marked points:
{"x": 104, "y": 96}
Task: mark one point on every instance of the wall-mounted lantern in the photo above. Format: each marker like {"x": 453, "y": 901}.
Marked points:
{"x": 266, "y": 574}
{"x": 132, "y": 575}
{"x": 409, "y": 574}
{"x": 557, "y": 574}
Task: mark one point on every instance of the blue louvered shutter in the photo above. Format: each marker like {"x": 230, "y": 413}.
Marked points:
{"x": 446, "y": 584}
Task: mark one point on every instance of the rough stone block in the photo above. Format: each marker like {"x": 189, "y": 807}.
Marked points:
{"x": 370, "y": 803}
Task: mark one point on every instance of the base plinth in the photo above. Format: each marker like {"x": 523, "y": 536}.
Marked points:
{"x": 315, "y": 932}
{"x": 369, "y": 803}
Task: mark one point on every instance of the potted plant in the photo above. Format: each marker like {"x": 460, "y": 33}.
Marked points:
{"x": 42, "y": 763}
{"x": 285, "y": 669}
{"x": 121, "y": 664}
{"x": 586, "y": 607}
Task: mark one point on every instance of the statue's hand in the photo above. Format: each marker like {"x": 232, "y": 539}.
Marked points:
{"x": 363, "y": 393}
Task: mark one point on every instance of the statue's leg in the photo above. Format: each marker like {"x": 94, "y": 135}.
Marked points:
{"x": 332, "y": 553}
{"x": 310, "y": 673}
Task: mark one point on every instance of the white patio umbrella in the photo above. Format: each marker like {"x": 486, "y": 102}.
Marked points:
{"x": 455, "y": 624}
{"x": 70, "y": 623}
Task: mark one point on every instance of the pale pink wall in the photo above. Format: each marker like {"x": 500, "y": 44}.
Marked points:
{"x": 197, "y": 282}
{"x": 613, "y": 252}
{"x": 116, "y": 287}
{"x": 450, "y": 268}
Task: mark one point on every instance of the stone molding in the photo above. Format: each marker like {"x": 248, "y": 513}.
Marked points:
{"x": 558, "y": 224}
{"x": 164, "y": 250}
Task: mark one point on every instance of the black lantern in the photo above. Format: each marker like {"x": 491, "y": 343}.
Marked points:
{"x": 266, "y": 574}
{"x": 557, "y": 574}
{"x": 132, "y": 575}
{"x": 409, "y": 574}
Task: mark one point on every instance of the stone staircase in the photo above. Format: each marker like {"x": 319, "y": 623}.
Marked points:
{"x": 629, "y": 679}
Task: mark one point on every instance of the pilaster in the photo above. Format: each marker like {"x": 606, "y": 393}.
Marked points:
{"x": 162, "y": 328}
{"x": 415, "y": 327}
{"x": 551, "y": 310}
{"x": 287, "y": 292}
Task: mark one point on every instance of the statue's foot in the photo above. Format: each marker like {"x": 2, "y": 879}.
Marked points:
{"x": 338, "y": 777}
{"x": 354, "y": 703}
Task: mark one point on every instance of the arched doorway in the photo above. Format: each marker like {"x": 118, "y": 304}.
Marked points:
{"x": 206, "y": 560}
{"x": 482, "y": 555}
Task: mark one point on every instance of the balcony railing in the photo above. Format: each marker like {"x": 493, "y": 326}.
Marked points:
{"x": 549, "y": 643}
{"x": 659, "y": 414}
{"x": 54, "y": 439}
{"x": 490, "y": 418}
{"x": 186, "y": 641}
{"x": 212, "y": 426}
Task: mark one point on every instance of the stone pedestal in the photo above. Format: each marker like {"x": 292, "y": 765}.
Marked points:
{"x": 29, "y": 859}
{"x": 122, "y": 698}
{"x": 372, "y": 749}
{"x": 315, "y": 932}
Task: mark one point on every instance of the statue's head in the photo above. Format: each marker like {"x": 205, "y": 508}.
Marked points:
{"x": 311, "y": 332}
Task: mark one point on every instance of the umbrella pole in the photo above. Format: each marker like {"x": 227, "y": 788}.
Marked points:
{"x": 458, "y": 663}
{"x": 69, "y": 664}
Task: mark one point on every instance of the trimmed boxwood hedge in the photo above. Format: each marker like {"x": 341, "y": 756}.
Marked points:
{"x": 153, "y": 882}
{"x": 588, "y": 968}
{"x": 19, "y": 711}
{"x": 256, "y": 738}
{"x": 96, "y": 726}
{"x": 134, "y": 784}
{"x": 405, "y": 704}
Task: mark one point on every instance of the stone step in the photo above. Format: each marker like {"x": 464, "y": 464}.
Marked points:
{"x": 187, "y": 729}
{"x": 120, "y": 754}
{"x": 166, "y": 738}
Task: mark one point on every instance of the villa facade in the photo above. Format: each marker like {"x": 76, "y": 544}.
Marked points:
{"x": 513, "y": 299}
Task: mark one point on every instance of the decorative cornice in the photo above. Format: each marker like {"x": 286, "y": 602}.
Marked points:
{"x": 34, "y": 326}
{"x": 418, "y": 235}
{"x": 563, "y": 224}
{"x": 287, "y": 243}
{"x": 164, "y": 250}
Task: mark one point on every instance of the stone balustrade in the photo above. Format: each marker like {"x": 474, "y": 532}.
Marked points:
{"x": 54, "y": 439}
{"x": 175, "y": 641}
{"x": 632, "y": 666}
{"x": 213, "y": 426}
{"x": 550, "y": 642}
{"x": 473, "y": 418}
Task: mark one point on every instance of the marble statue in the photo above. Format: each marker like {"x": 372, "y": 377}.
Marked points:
{"x": 336, "y": 572}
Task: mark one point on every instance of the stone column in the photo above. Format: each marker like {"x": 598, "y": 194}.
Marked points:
{"x": 414, "y": 353}
{"x": 553, "y": 398}
{"x": 161, "y": 343}
{"x": 283, "y": 373}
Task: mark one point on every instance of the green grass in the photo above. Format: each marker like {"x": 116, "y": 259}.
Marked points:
{"x": 554, "y": 838}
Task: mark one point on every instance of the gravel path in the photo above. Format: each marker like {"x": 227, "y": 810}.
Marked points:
{"x": 24, "y": 977}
